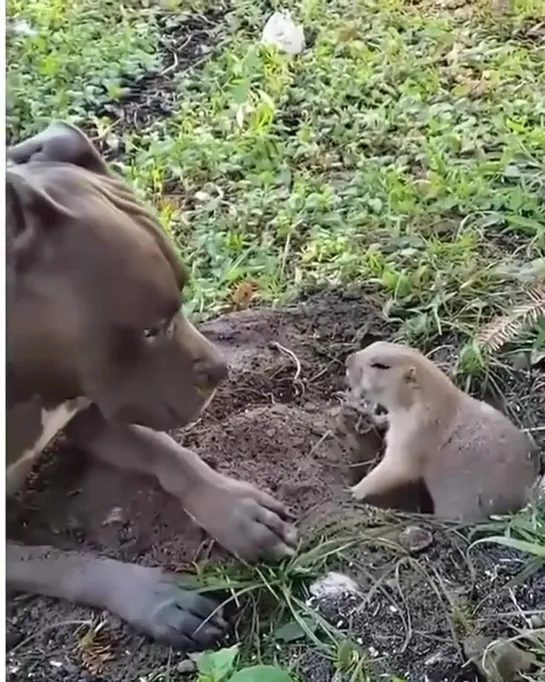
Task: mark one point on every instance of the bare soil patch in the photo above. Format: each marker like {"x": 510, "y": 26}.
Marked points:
{"x": 186, "y": 41}
{"x": 271, "y": 424}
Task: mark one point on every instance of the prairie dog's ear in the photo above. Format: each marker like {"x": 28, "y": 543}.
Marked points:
{"x": 61, "y": 142}
{"x": 410, "y": 375}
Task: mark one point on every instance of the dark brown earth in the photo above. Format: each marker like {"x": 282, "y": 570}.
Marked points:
{"x": 186, "y": 41}
{"x": 271, "y": 424}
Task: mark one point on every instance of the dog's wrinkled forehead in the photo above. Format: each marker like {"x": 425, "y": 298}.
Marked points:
{"x": 60, "y": 142}
{"x": 62, "y": 193}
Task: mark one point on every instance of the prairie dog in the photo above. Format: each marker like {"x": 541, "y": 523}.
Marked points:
{"x": 474, "y": 461}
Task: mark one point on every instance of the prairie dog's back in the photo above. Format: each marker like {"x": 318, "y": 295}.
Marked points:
{"x": 486, "y": 466}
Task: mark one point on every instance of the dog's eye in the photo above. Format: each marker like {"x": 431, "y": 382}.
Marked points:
{"x": 151, "y": 334}
{"x": 380, "y": 365}
{"x": 164, "y": 329}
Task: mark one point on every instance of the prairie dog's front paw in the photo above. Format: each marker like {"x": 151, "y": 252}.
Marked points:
{"x": 379, "y": 419}
{"x": 359, "y": 491}
{"x": 375, "y": 413}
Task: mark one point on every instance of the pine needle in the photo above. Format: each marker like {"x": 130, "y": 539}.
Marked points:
{"x": 521, "y": 317}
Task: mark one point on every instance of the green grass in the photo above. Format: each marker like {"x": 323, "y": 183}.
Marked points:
{"x": 75, "y": 59}
{"x": 403, "y": 150}
{"x": 220, "y": 666}
{"x": 274, "y": 617}
{"x": 524, "y": 532}
{"x": 364, "y": 160}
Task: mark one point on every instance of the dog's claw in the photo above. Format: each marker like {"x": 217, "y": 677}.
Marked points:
{"x": 248, "y": 522}
{"x": 158, "y": 605}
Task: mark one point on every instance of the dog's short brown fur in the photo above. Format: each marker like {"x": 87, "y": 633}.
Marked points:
{"x": 96, "y": 342}
{"x": 473, "y": 460}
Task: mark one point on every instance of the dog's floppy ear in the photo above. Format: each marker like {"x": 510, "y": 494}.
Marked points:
{"x": 30, "y": 213}
{"x": 60, "y": 142}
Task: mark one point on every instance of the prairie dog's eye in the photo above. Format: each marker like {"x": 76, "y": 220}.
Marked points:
{"x": 380, "y": 365}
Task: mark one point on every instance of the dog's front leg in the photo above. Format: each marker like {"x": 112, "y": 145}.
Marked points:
{"x": 149, "y": 599}
{"x": 246, "y": 521}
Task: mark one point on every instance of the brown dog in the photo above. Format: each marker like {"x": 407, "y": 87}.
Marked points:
{"x": 96, "y": 343}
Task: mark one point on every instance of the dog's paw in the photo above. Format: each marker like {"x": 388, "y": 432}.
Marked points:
{"x": 157, "y": 604}
{"x": 248, "y": 522}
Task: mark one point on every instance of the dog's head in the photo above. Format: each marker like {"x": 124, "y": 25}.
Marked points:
{"x": 94, "y": 291}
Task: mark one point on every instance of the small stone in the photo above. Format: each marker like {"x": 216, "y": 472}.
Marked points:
{"x": 434, "y": 659}
{"x": 186, "y": 666}
{"x": 202, "y": 196}
{"x": 281, "y": 31}
{"x": 113, "y": 142}
{"x": 498, "y": 660}
{"x": 115, "y": 515}
{"x": 415, "y": 538}
{"x": 537, "y": 621}
{"x": 391, "y": 584}
{"x": 332, "y": 585}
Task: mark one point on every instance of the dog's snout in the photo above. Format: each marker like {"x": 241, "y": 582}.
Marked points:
{"x": 211, "y": 371}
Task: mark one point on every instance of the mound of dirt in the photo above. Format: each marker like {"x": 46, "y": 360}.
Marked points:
{"x": 272, "y": 424}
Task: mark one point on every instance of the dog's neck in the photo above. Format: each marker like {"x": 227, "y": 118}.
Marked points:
{"x": 32, "y": 428}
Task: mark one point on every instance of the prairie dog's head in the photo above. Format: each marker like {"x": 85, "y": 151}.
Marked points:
{"x": 384, "y": 373}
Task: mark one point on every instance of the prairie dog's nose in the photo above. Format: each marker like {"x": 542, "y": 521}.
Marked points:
{"x": 354, "y": 371}
{"x": 350, "y": 362}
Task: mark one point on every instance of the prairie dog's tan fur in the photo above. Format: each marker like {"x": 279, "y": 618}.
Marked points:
{"x": 474, "y": 461}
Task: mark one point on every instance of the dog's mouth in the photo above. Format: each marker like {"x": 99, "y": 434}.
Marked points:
{"x": 196, "y": 414}
{"x": 209, "y": 397}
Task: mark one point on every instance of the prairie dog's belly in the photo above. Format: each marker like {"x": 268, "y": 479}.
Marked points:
{"x": 486, "y": 466}
{"x": 30, "y": 430}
